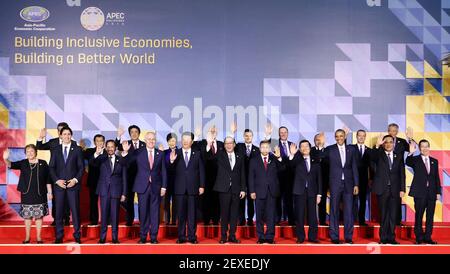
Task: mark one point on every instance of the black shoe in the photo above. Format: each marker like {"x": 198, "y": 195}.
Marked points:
{"x": 154, "y": 241}
{"x": 250, "y": 222}
{"x": 53, "y": 223}
{"x": 234, "y": 241}
{"x": 260, "y": 241}
{"x": 129, "y": 224}
{"x": 26, "y": 242}
{"x": 394, "y": 242}
{"x": 270, "y": 241}
{"x": 101, "y": 241}
{"x": 336, "y": 242}
{"x": 93, "y": 223}
{"x": 115, "y": 241}
{"x": 66, "y": 223}
{"x": 142, "y": 241}
{"x": 180, "y": 241}
{"x": 350, "y": 242}
{"x": 314, "y": 241}
{"x": 193, "y": 242}
{"x": 242, "y": 223}
{"x": 418, "y": 242}
{"x": 382, "y": 242}
{"x": 39, "y": 242}
{"x": 363, "y": 224}
{"x": 300, "y": 241}
{"x": 324, "y": 224}
{"x": 78, "y": 240}
{"x": 58, "y": 241}
{"x": 222, "y": 241}
{"x": 430, "y": 242}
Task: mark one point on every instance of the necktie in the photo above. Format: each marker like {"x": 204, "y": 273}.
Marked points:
{"x": 427, "y": 165}
{"x": 65, "y": 154}
{"x": 285, "y": 149}
{"x": 150, "y": 159}
{"x": 111, "y": 163}
{"x": 307, "y": 169}
{"x": 231, "y": 161}
{"x": 135, "y": 145}
{"x": 213, "y": 149}
{"x": 341, "y": 150}
{"x": 265, "y": 163}
{"x": 361, "y": 150}
{"x": 248, "y": 151}
{"x": 390, "y": 160}
{"x": 186, "y": 159}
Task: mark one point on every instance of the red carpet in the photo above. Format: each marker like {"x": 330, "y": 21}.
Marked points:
{"x": 365, "y": 238}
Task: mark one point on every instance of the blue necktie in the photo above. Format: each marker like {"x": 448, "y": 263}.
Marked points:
{"x": 186, "y": 159}
{"x": 65, "y": 154}
{"x": 307, "y": 169}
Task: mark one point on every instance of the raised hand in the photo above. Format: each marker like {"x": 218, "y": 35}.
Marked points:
{"x": 409, "y": 132}
{"x": 346, "y": 130}
{"x": 293, "y": 149}
{"x": 277, "y": 152}
{"x": 42, "y": 133}
{"x": 412, "y": 147}
{"x": 380, "y": 140}
{"x": 6, "y": 154}
{"x": 99, "y": 150}
{"x": 173, "y": 155}
{"x": 268, "y": 129}
{"x": 126, "y": 146}
{"x": 198, "y": 132}
{"x": 233, "y": 127}
{"x": 161, "y": 147}
{"x": 120, "y": 132}
{"x": 209, "y": 138}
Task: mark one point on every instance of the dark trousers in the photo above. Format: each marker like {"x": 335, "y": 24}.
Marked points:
{"x": 338, "y": 195}
{"x": 66, "y": 213}
{"x": 323, "y": 204}
{"x": 421, "y": 205}
{"x": 250, "y": 203}
{"x": 301, "y": 203}
{"x": 72, "y": 196}
{"x": 110, "y": 212}
{"x": 359, "y": 205}
{"x": 229, "y": 212}
{"x": 288, "y": 204}
{"x": 265, "y": 213}
{"x": 129, "y": 207}
{"x": 170, "y": 210}
{"x": 148, "y": 205}
{"x": 210, "y": 206}
{"x": 387, "y": 203}
{"x": 93, "y": 205}
{"x": 187, "y": 211}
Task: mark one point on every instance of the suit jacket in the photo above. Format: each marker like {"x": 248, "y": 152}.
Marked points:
{"x": 113, "y": 183}
{"x": 170, "y": 170}
{"x": 157, "y": 174}
{"x": 363, "y": 164}
{"x": 241, "y": 149}
{"x": 132, "y": 167}
{"x": 401, "y": 145}
{"x": 25, "y": 173}
{"x": 261, "y": 181}
{"x": 93, "y": 170}
{"x": 421, "y": 177}
{"x": 319, "y": 155}
{"x": 188, "y": 179}
{"x": 51, "y": 144}
{"x": 73, "y": 168}
{"x": 210, "y": 164}
{"x": 301, "y": 176}
{"x": 383, "y": 175}
{"x": 350, "y": 169}
{"x": 226, "y": 177}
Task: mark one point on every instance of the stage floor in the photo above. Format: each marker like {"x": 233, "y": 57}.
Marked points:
{"x": 365, "y": 242}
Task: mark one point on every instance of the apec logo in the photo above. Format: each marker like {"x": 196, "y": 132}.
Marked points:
{"x": 34, "y": 14}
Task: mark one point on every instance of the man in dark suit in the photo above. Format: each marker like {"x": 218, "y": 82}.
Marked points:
{"x": 248, "y": 151}
{"x": 285, "y": 205}
{"x": 150, "y": 184}
{"x": 66, "y": 169}
{"x": 189, "y": 184}
{"x": 209, "y": 202}
{"x": 231, "y": 186}
{"x": 51, "y": 145}
{"x": 388, "y": 185}
{"x": 363, "y": 160}
{"x": 135, "y": 144}
{"x": 111, "y": 187}
{"x": 343, "y": 166}
{"x": 170, "y": 211}
{"x": 318, "y": 153}
{"x": 425, "y": 188}
{"x": 307, "y": 189}
{"x": 264, "y": 187}
{"x": 93, "y": 175}
{"x": 400, "y": 147}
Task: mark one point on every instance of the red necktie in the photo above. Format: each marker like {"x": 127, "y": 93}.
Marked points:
{"x": 213, "y": 148}
{"x": 265, "y": 163}
{"x": 150, "y": 161}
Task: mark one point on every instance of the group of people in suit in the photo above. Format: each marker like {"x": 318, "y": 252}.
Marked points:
{"x": 228, "y": 182}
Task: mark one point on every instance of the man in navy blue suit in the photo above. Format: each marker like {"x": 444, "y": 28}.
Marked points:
{"x": 134, "y": 132}
{"x": 189, "y": 184}
{"x": 264, "y": 187}
{"x": 150, "y": 184}
{"x": 425, "y": 189}
{"x": 342, "y": 161}
{"x": 66, "y": 169}
{"x": 111, "y": 187}
{"x": 307, "y": 189}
